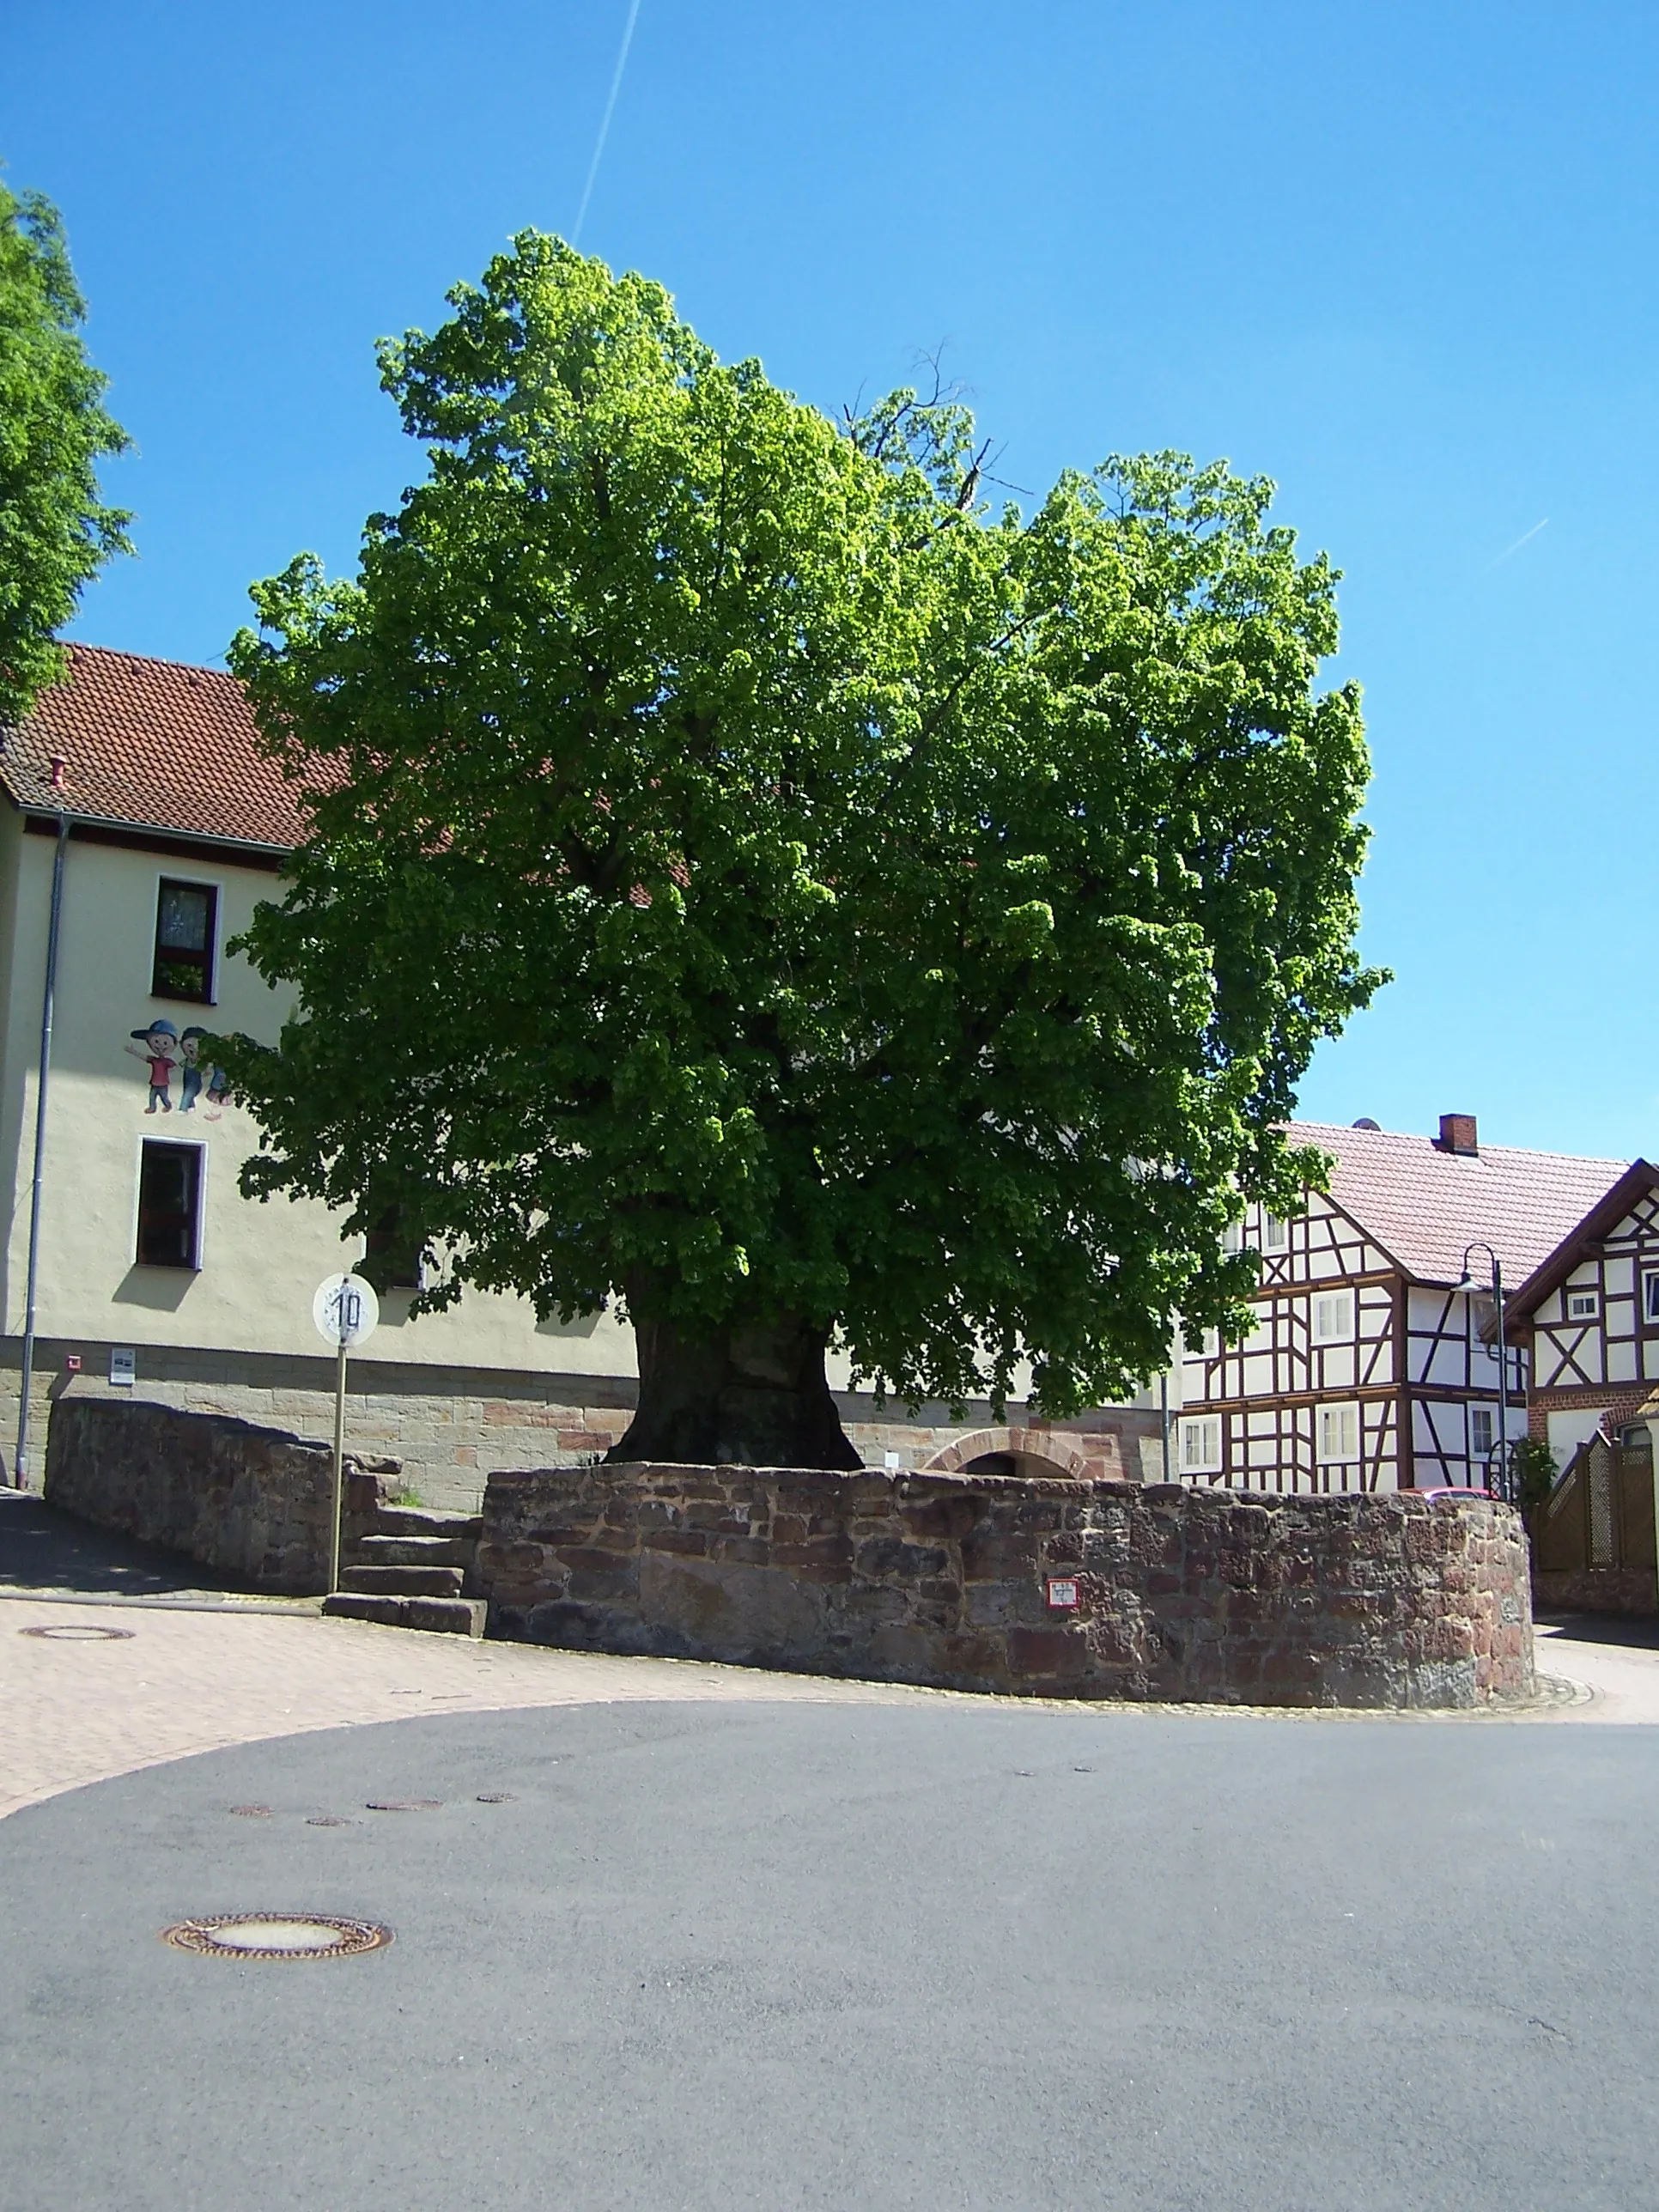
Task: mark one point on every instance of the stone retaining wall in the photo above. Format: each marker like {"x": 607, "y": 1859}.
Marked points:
{"x": 1629, "y": 1592}
{"x": 453, "y": 1427}
{"x": 1383, "y": 1601}
{"x": 252, "y": 1504}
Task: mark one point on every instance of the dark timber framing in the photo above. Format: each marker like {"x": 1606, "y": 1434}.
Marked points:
{"x": 1408, "y": 1356}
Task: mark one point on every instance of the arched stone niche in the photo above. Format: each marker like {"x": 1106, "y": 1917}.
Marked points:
{"x": 1034, "y": 1454}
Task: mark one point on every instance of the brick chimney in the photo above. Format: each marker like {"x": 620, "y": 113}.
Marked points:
{"x": 1457, "y": 1134}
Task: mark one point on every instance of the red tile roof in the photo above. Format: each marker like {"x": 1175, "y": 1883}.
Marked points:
{"x": 152, "y": 745}
{"x": 1640, "y": 1177}
{"x": 1424, "y": 1206}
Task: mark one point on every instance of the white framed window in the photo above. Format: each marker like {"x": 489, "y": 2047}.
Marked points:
{"x": 1339, "y": 1434}
{"x": 172, "y": 1191}
{"x": 1209, "y": 1345}
{"x": 1232, "y": 1238}
{"x": 1201, "y": 1444}
{"x": 1483, "y": 1432}
{"x": 1583, "y": 1306}
{"x": 1651, "y": 1294}
{"x": 1333, "y": 1318}
{"x": 1275, "y": 1233}
{"x": 186, "y": 940}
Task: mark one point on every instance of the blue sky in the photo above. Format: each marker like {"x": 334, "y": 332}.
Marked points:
{"x": 1400, "y": 258}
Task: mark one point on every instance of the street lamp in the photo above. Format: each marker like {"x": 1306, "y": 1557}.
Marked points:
{"x": 1496, "y": 1286}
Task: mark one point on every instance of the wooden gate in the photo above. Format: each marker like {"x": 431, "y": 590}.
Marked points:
{"x": 1592, "y": 1538}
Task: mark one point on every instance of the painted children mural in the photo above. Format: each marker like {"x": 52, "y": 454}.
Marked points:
{"x": 157, "y": 1047}
{"x": 162, "y": 1048}
{"x": 193, "y": 1073}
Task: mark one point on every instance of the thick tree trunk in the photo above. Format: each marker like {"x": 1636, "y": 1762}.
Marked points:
{"x": 749, "y": 1396}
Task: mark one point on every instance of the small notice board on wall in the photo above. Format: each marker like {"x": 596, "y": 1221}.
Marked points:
{"x": 123, "y": 1365}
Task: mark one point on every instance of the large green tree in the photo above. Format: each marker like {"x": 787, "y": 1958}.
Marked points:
{"x": 55, "y": 532}
{"x": 751, "y": 880}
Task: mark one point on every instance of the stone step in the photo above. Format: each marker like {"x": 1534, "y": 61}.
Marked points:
{"x": 415, "y": 1552}
{"x": 424, "y": 1521}
{"x": 403, "y": 1582}
{"x": 443, "y": 1616}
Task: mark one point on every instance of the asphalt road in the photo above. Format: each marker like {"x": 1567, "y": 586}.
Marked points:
{"x": 772, "y": 1957}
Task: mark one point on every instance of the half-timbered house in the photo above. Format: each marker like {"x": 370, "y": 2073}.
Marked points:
{"x": 1368, "y": 1367}
{"x": 1588, "y": 1320}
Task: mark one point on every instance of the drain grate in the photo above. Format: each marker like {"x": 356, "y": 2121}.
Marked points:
{"x": 326, "y": 1820}
{"x": 277, "y": 1935}
{"x": 496, "y": 1798}
{"x": 403, "y": 1805}
{"x": 79, "y": 1632}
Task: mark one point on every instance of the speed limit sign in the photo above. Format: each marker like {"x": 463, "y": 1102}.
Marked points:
{"x": 345, "y": 1310}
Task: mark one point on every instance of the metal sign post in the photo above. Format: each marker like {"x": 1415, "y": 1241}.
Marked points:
{"x": 345, "y": 1311}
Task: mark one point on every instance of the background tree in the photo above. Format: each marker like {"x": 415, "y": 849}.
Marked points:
{"x": 55, "y": 532}
{"x": 1533, "y": 1473}
{"x": 751, "y": 880}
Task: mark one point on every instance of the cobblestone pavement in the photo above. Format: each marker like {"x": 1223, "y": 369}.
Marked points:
{"x": 79, "y": 1706}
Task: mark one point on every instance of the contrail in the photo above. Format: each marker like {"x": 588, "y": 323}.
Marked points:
{"x": 604, "y": 127}
{"x": 1525, "y": 539}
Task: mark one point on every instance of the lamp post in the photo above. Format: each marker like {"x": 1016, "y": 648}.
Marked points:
{"x": 1468, "y": 1284}
{"x": 1164, "y": 1417}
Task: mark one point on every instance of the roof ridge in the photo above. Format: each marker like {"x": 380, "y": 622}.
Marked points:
{"x": 150, "y": 659}
{"x": 1522, "y": 1151}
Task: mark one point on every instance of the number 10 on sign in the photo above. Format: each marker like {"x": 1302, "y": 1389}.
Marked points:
{"x": 345, "y": 1310}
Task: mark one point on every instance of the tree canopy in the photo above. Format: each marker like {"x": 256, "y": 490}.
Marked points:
{"x": 751, "y": 879}
{"x": 55, "y": 532}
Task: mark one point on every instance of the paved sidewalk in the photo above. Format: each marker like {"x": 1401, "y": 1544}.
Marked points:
{"x": 80, "y": 1706}
{"x": 1616, "y": 1661}
{"x": 43, "y": 1549}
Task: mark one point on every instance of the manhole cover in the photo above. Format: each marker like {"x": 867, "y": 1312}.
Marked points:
{"x": 403, "y": 1805}
{"x": 277, "y": 1935}
{"x": 79, "y": 1632}
{"x": 496, "y": 1798}
{"x": 326, "y": 1820}
{"x": 253, "y": 1812}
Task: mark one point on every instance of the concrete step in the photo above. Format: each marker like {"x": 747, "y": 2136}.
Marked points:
{"x": 421, "y": 1521}
{"x": 415, "y": 1552}
{"x": 403, "y": 1582}
{"x": 444, "y": 1616}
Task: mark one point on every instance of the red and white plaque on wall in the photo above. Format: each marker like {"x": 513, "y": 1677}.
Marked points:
{"x": 1061, "y": 1591}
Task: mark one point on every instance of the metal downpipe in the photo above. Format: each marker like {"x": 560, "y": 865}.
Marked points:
{"x": 20, "y": 1470}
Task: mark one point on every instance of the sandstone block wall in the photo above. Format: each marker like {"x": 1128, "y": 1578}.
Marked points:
{"x": 453, "y": 1427}
{"x": 1381, "y": 1600}
{"x": 1632, "y": 1592}
{"x": 252, "y": 1504}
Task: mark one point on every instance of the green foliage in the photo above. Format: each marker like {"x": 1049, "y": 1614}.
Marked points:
{"x": 748, "y": 876}
{"x": 55, "y": 532}
{"x": 1533, "y": 1472}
